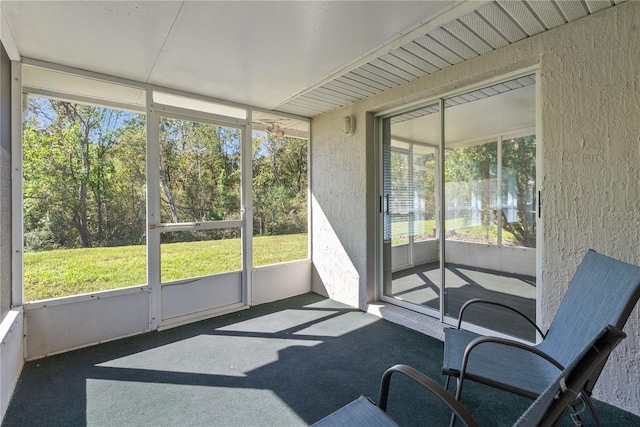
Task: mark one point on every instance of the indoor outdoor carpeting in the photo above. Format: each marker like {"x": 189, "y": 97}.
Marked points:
{"x": 287, "y": 363}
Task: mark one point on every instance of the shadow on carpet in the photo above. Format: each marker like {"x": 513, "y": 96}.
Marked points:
{"x": 288, "y": 363}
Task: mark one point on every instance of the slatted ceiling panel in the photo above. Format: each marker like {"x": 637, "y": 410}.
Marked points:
{"x": 372, "y": 79}
{"x": 597, "y": 5}
{"x": 390, "y": 68}
{"x": 455, "y": 100}
{"x": 410, "y": 58}
{"x": 468, "y": 37}
{"x": 366, "y": 79}
{"x": 513, "y": 84}
{"x": 500, "y": 88}
{"x": 502, "y": 22}
{"x": 526, "y": 80}
{"x": 492, "y": 26}
{"x": 445, "y": 38}
{"x": 390, "y": 58}
{"x": 373, "y": 69}
{"x": 478, "y": 25}
{"x": 547, "y": 12}
{"x": 303, "y": 109}
{"x": 344, "y": 85}
{"x": 333, "y": 96}
{"x": 523, "y": 16}
{"x": 468, "y": 97}
{"x": 422, "y": 52}
{"x": 348, "y": 80}
{"x": 478, "y": 94}
{"x": 347, "y": 90}
{"x": 310, "y": 101}
{"x": 325, "y": 99}
{"x": 489, "y": 91}
{"x": 572, "y": 10}
{"x": 438, "y": 49}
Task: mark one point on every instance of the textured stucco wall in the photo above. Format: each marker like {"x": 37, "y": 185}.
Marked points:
{"x": 590, "y": 106}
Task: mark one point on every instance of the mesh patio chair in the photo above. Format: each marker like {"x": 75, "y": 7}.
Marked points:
{"x": 602, "y": 292}
{"x": 547, "y": 410}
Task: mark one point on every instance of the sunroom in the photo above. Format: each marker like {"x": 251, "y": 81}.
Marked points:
{"x": 169, "y": 162}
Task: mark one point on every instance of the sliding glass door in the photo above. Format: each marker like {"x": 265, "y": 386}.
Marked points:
{"x": 410, "y": 205}
{"x": 459, "y": 206}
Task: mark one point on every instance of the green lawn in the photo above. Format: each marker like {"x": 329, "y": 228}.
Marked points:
{"x": 58, "y": 273}
{"x": 473, "y": 233}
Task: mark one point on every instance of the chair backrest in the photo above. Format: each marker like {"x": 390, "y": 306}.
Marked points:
{"x": 549, "y": 408}
{"x": 603, "y": 292}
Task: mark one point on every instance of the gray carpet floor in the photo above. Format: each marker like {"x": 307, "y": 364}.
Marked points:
{"x": 287, "y": 363}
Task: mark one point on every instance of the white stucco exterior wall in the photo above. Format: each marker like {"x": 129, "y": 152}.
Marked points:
{"x": 590, "y": 130}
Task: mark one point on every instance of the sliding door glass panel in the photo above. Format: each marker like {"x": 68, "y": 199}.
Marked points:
{"x": 490, "y": 207}
{"x": 519, "y": 205}
{"x": 471, "y": 193}
{"x": 424, "y": 180}
{"x": 410, "y": 204}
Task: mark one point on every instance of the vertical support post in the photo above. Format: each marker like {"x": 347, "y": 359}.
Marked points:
{"x": 246, "y": 206}
{"x": 17, "y": 216}
{"x": 499, "y": 191}
{"x": 153, "y": 214}
{"x": 442, "y": 213}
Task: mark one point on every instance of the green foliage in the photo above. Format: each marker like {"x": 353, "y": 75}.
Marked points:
{"x": 279, "y": 185}
{"x": 84, "y": 178}
{"x": 85, "y": 192}
{"x": 473, "y": 170}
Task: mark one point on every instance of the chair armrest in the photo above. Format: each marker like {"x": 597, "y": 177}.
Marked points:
{"x": 446, "y": 397}
{"x": 499, "y": 304}
{"x": 483, "y": 340}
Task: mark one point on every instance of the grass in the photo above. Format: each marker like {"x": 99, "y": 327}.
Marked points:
{"x": 59, "y": 273}
{"x": 471, "y": 233}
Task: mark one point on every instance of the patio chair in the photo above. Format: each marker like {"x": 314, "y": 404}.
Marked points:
{"x": 602, "y": 292}
{"x": 547, "y": 410}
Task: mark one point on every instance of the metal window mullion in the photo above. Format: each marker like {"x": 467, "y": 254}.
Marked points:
{"x": 17, "y": 205}
{"x": 499, "y": 193}
{"x": 199, "y": 116}
{"x": 246, "y": 209}
{"x": 190, "y": 226}
{"x": 442, "y": 211}
{"x": 87, "y": 100}
{"x": 410, "y": 195}
{"x": 153, "y": 213}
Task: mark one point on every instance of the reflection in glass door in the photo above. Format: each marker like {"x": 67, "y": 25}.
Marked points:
{"x": 411, "y": 261}
{"x": 478, "y": 238}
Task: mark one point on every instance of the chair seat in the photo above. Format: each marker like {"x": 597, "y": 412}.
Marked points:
{"x": 511, "y": 368}
{"x": 360, "y": 412}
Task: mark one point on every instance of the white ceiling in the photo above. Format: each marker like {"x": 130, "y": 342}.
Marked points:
{"x": 256, "y": 53}
{"x": 301, "y": 57}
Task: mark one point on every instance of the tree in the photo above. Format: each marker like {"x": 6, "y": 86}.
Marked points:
{"x": 474, "y": 167}
{"x": 74, "y": 160}
{"x": 279, "y": 185}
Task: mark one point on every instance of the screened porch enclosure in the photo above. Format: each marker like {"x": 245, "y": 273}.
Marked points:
{"x": 164, "y": 207}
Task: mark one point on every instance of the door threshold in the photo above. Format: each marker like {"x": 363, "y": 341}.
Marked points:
{"x": 408, "y": 318}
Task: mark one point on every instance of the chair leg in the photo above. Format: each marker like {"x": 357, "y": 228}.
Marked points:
{"x": 446, "y": 382}
{"x": 459, "y": 381}
{"x": 592, "y": 409}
